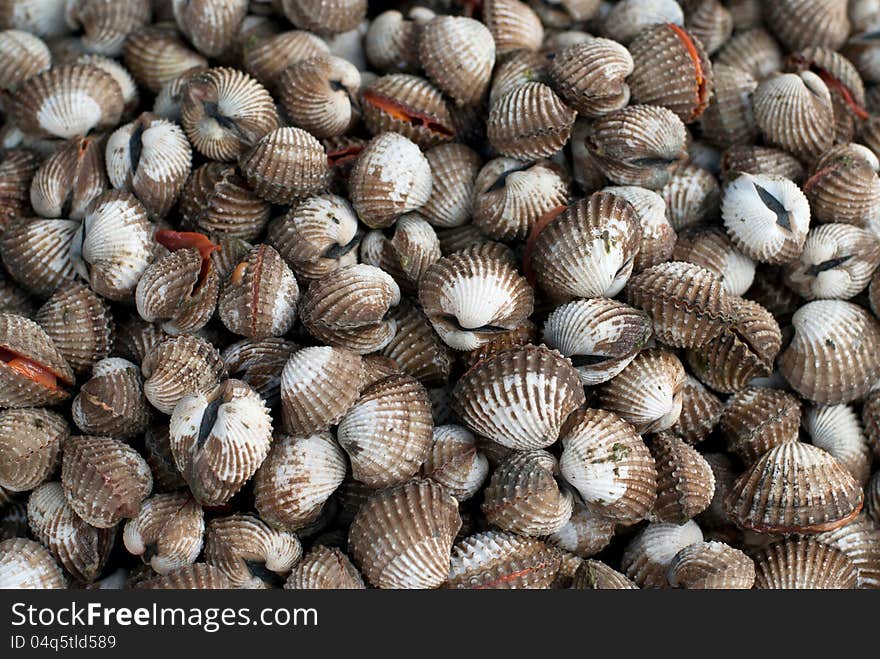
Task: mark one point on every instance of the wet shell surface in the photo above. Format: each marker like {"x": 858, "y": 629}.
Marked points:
{"x": 210, "y": 26}
{"x": 167, "y": 533}
{"x": 711, "y": 565}
{"x": 34, "y": 372}
{"x": 27, "y": 564}
{"x": 69, "y": 179}
{"x": 502, "y": 560}
{"x": 529, "y": 122}
{"x": 179, "y": 366}
{"x": 31, "y": 440}
{"x": 802, "y": 563}
{"x": 112, "y": 402}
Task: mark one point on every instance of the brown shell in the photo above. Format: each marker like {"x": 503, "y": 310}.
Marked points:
{"x": 454, "y": 169}
{"x": 860, "y": 541}
{"x": 135, "y": 338}
{"x": 844, "y": 187}
{"x": 27, "y": 564}
{"x": 24, "y": 55}
{"x": 700, "y": 412}
{"x": 69, "y": 179}
{"x": 417, "y": 349}
{"x": 455, "y": 461}
{"x": 157, "y": 453}
{"x": 267, "y": 58}
{"x": 155, "y": 55}
{"x": 671, "y": 70}
{"x": 686, "y": 302}
{"x": 754, "y": 51}
{"x": 320, "y": 95}
{"x": 458, "y": 54}
{"x": 711, "y": 248}
{"x": 685, "y": 483}
{"x": 330, "y": 17}
{"x": 402, "y": 537}
{"x": 36, "y": 253}
{"x": 502, "y": 560}
{"x": 529, "y": 122}
{"x": 259, "y": 363}
{"x": 544, "y": 390}
{"x": 627, "y": 18}
{"x": 32, "y": 371}
{"x": 711, "y": 565}
{"x": 729, "y": 120}
{"x": 794, "y": 488}
{"x": 324, "y": 568}
{"x": 871, "y": 419}
{"x": 17, "y": 169}
{"x": 591, "y": 76}
{"x": 757, "y": 419}
{"x": 692, "y": 196}
{"x": 80, "y": 548}
{"x": 522, "y": 335}
{"x": 192, "y": 577}
{"x": 387, "y": 432}
{"x": 14, "y": 299}
{"x": 167, "y": 533}
{"x": 513, "y": 24}
{"x": 648, "y": 556}
{"x": 30, "y": 447}
{"x": 104, "y": 480}
{"x": 112, "y": 402}
{"x": 760, "y": 160}
{"x": 803, "y": 23}
{"x": 209, "y": 25}
{"x": 404, "y": 252}
{"x": 179, "y": 366}
{"x": 802, "y": 563}
{"x": 596, "y": 575}
{"x": 585, "y": 534}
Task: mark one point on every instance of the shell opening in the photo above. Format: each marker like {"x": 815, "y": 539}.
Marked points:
{"x": 209, "y": 418}
{"x": 341, "y": 156}
{"x": 783, "y": 217}
{"x": 29, "y": 368}
{"x": 830, "y": 264}
{"x": 337, "y": 251}
{"x": 136, "y": 146}
{"x": 401, "y": 112}
{"x": 175, "y": 240}
{"x": 701, "y": 80}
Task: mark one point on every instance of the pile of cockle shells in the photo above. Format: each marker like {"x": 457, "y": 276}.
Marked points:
{"x": 443, "y": 293}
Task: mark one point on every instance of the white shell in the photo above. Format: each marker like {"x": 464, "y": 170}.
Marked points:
{"x": 837, "y": 430}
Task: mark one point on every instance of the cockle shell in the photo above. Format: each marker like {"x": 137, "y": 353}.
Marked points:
{"x": 27, "y": 564}
{"x": 794, "y": 488}
{"x": 192, "y": 577}
{"x": 685, "y": 483}
{"x": 760, "y": 160}
{"x": 248, "y": 552}
{"x": 135, "y": 338}
{"x": 502, "y": 560}
{"x": 523, "y": 495}
{"x": 179, "y": 366}
{"x": 24, "y": 55}
{"x": 519, "y": 397}
{"x": 455, "y": 462}
{"x": 319, "y": 95}
{"x": 802, "y": 23}
{"x": 522, "y": 335}
{"x": 454, "y": 169}
{"x": 515, "y": 69}
{"x": 155, "y": 56}
{"x": 529, "y": 122}
{"x": 127, "y": 84}
{"x": 402, "y": 537}
{"x": 387, "y": 432}
{"x": 69, "y": 179}
{"x": 513, "y": 24}
{"x": 700, "y": 412}
{"x": 14, "y": 299}
{"x": 658, "y": 236}
{"x": 157, "y": 453}
{"x": 711, "y": 565}
{"x": 711, "y": 248}
{"x": 469, "y": 299}
{"x": 757, "y": 419}
{"x": 167, "y": 533}
{"x": 458, "y": 54}
{"x": 106, "y": 24}
{"x": 648, "y": 556}
{"x": 219, "y": 438}
{"x": 628, "y": 18}
{"x": 267, "y": 58}
{"x": 585, "y": 534}
{"x": 833, "y": 355}
{"x": 259, "y": 363}
{"x": 591, "y": 76}
{"x": 324, "y": 568}
{"x": 596, "y": 575}
{"x": 692, "y": 196}
{"x": 844, "y": 186}
{"x": 404, "y": 252}
{"x": 112, "y": 402}
{"x": 80, "y": 548}
{"x": 837, "y": 430}
{"x": 104, "y": 479}
{"x": 417, "y": 349}
{"x": 36, "y": 253}
{"x": 871, "y": 419}
{"x": 330, "y": 17}
{"x": 859, "y": 541}
{"x": 209, "y": 25}
{"x": 17, "y": 169}
{"x": 33, "y": 371}
{"x": 803, "y": 563}
{"x": 729, "y": 119}
{"x": 31, "y": 440}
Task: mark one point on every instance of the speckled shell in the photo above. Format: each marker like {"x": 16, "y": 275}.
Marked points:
{"x": 802, "y": 563}
{"x": 523, "y": 495}
{"x": 711, "y": 248}
{"x": 27, "y": 564}
{"x": 871, "y": 419}
{"x": 685, "y": 483}
{"x": 794, "y": 488}
{"x": 112, "y": 402}
{"x": 219, "y": 438}
{"x": 802, "y": 23}
{"x": 408, "y": 105}
{"x": 596, "y": 575}
{"x": 458, "y": 54}
{"x": 404, "y": 252}
{"x": 155, "y": 56}
{"x": 671, "y": 70}
{"x": 833, "y": 355}
{"x": 135, "y": 338}
{"x": 324, "y": 568}
{"x": 469, "y": 299}
{"x": 522, "y": 335}
{"x": 844, "y": 187}
{"x": 210, "y": 25}
{"x": 167, "y": 533}
{"x": 192, "y": 577}
{"x": 729, "y": 118}
{"x": 529, "y": 122}
{"x": 606, "y": 461}
{"x": 859, "y": 541}
{"x": 249, "y": 553}
{"x": 585, "y": 534}
{"x": 766, "y": 216}
{"x": 692, "y": 196}
{"x": 455, "y": 462}
{"x": 587, "y": 250}
{"x": 591, "y": 76}
{"x": 319, "y": 95}
{"x": 417, "y": 349}
{"x": 224, "y": 112}
{"x": 151, "y": 158}
{"x": 179, "y": 366}
{"x": 758, "y": 419}
{"x": 628, "y": 18}
{"x": 519, "y": 397}
{"x": 837, "y": 262}
{"x": 17, "y": 169}
{"x": 502, "y": 560}
{"x": 318, "y": 386}
{"x": 14, "y": 299}
{"x": 711, "y": 565}
{"x": 837, "y": 430}
{"x": 760, "y": 160}
{"x": 69, "y": 179}
{"x": 387, "y": 432}
{"x": 402, "y": 537}
{"x": 113, "y": 245}
{"x": 104, "y": 479}
{"x": 79, "y": 323}
{"x": 24, "y": 55}
{"x": 319, "y": 235}
{"x": 347, "y": 308}
{"x": 513, "y": 24}
{"x": 637, "y": 145}
{"x": 33, "y": 371}
{"x": 700, "y": 412}
{"x": 454, "y": 169}
{"x": 36, "y": 253}
{"x": 601, "y": 336}
{"x": 30, "y": 447}
{"x": 329, "y": 17}
{"x": 67, "y": 101}
{"x": 80, "y": 548}
{"x": 648, "y": 556}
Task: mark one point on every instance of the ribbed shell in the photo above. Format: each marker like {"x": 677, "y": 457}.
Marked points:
{"x": 585, "y": 534}
{"x": 318, "y": 386}
{"x": 157, "y": 453}
{"x": 469, "y": 299}
{"x": 860, "y": 541}
{"x": 79, "y": 323}
{"x": 502, "y": 560}
{"x": 27, "y": 564}
{"x": 833, "y": 357}
{"x": 687, "y": 303}
{"x": 454, "y": 169}
{"x": 24, "y": 55}
{"x": 458, "y": 54}
{"x": 266, "y": 59}
{"x": 417, "y": 349}
{"x": 81, "y": 549}
{"x": 36, "y": 253}
{"x": 794, "y": 488}
{"x": 647, "y": 557}
{"x": 522, "y": 335}
{"x": 324, "y": 568}
{"x": 596, "y": 575}
{"x": 33, "y": 371}
{"x": 692, "y": 196}
{"x": 259, "y": 363}
{"x": 104, "y": 480}
{"x": 606, "y": 461}
{"x": 711, "y": 248}
{"x": 871, "y": 419}
{"x": 30, "y": 447}
{"x": 700, "y": 412}
{"x": 193, "y": 577}
{"x": 167, "y": 533}
{"x": 179, "y": 366}
{"x": 14, "y": 299}
{"x": 837, "y": 430}
{"x": 455, "y": 462}
{"x": 329, "y": 17}
{"x": 155, "y": 56}
{"x": 523, "y": 495}
{"x": 671, "y": 70}
{"x": 628, "y": 18}
{"x": 391, "y": 177}
{"x": 801, "y": 563}
{"x": 802, "y": 23}
{"x": 760, "y": 160}
{"x": 758, "y": 419}
{"x": 638, "y": 145}
{"x": 591, "y": 76}
{"x": 106, "y": 23}
{"x": 685, "y": 483}
{"x": 219, "y": 439}
{"x": 844, "y": 187}
{"x": 69, "y": 179}
{"x": 711, "y": 565}
{"x": 210, "y": 26}
{"x": 319, "y": 95}
{"x": 658, "y": 236}
{"x": 752, "y": 50}
{"x": 67, "y": 101}
{"x": 872, "y": 498}
{"x": 529, "y": 122}
{"x": 135, "y": 338}
{"x": 17, "y": 169}
{"x": 513, "y": 25}
{"x": 729, "y": 119}
{"x": 387, "y": 432}
{"x": 520, "y": 397}
{"x": 405, "y": 253}
{"x": 112, "y": 402}
{"x": 402, "y": 537}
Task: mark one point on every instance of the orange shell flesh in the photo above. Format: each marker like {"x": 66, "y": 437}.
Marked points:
{"x": 402, "y": 113}
{"x": 702, "y": 82}
{"x": 29, "y": 369}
